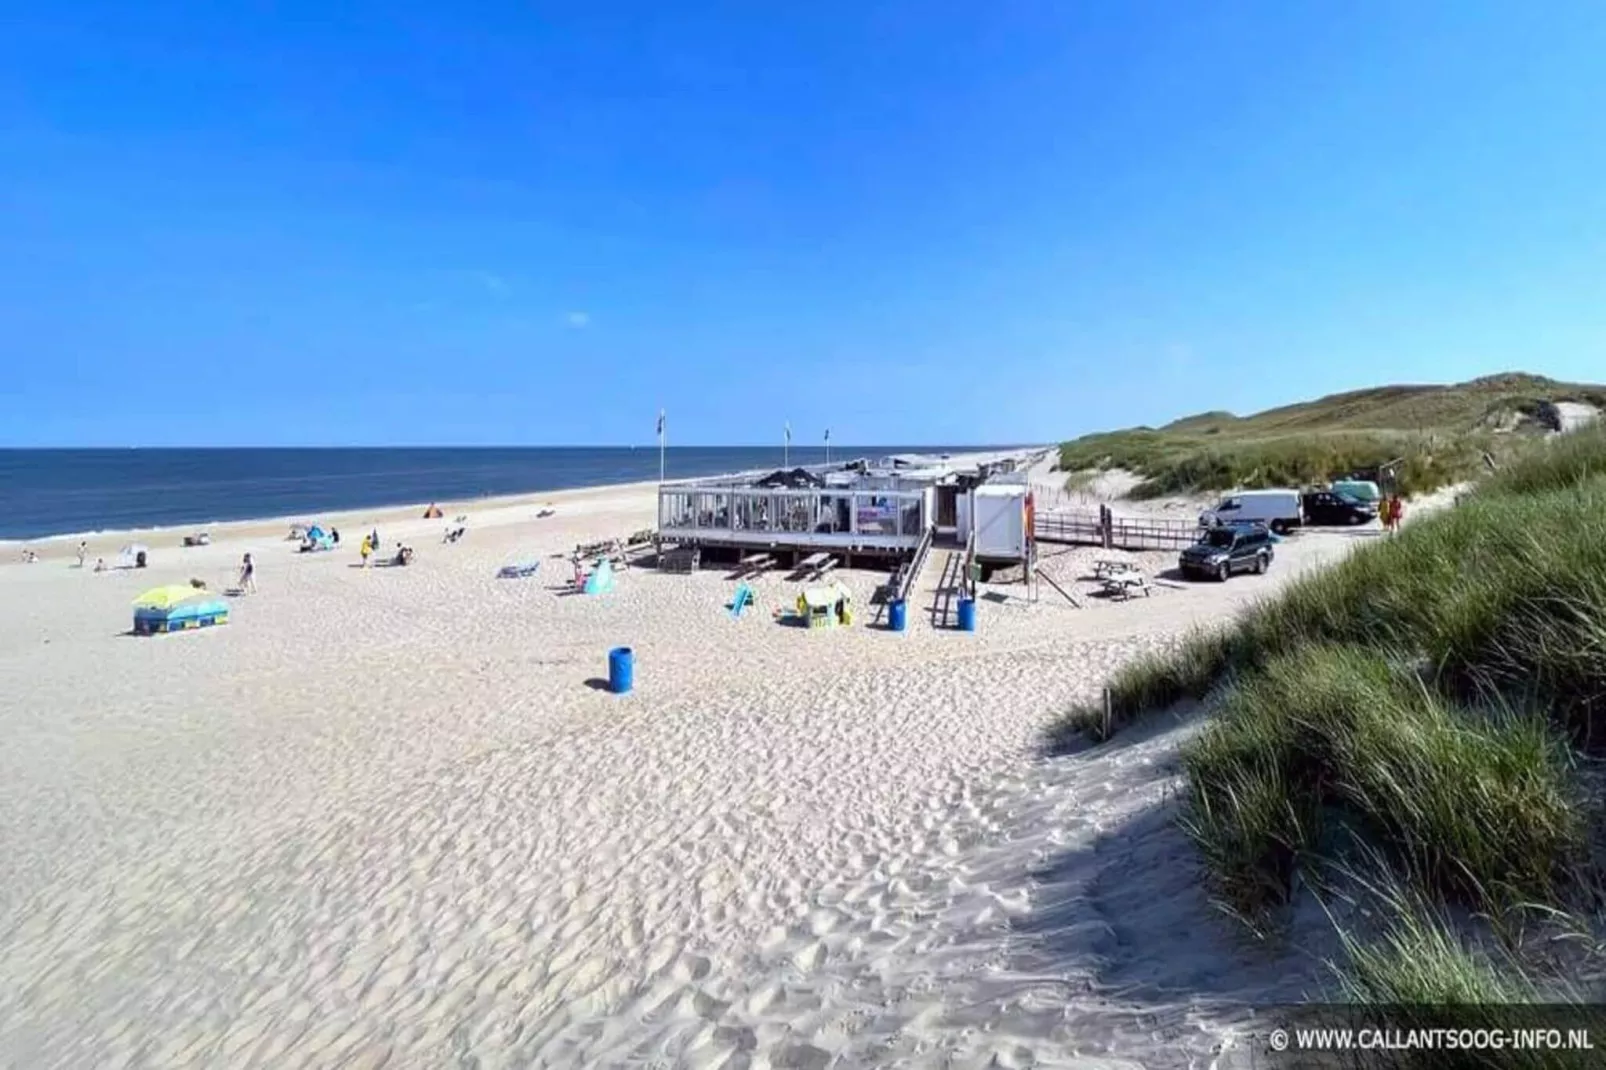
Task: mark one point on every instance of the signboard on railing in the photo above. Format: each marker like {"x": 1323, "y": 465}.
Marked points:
{"x": 877, "y": 519}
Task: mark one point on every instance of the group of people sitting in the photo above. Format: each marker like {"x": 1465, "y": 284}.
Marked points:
{"x": 453, "y": 534}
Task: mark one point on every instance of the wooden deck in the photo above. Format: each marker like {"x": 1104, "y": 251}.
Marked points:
{"x": 1124, "y": 533}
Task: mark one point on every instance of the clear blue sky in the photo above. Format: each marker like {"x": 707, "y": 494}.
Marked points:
{"x": 913, "y": 222}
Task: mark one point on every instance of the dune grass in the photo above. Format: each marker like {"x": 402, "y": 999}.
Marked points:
{"x": 1180, "y": 463}
{"x": 1438, "y": 434}
{"x": 1332, "y": 740}
{"x": 1423, "y": 700}
{"x": 1505, "y": 593}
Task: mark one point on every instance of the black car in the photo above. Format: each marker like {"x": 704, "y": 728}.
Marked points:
{"x": 1222, "y": 551}
{"x": 1329, "y": 508}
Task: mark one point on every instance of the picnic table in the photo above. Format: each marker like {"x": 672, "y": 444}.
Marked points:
{"x": 1109, "y": 566}
{"x": 816, "y": 565}
{"x": 1123, "y": 583}
{"x": 756, "y": 564}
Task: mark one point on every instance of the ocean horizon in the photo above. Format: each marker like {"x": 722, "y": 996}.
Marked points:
{"x": 66, "y": 492}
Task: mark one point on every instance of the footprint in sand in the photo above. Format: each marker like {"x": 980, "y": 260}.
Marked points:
{"x": 689, "y": 968}
{"x": 809, "y": 958}
{"x": 762, "y": 999}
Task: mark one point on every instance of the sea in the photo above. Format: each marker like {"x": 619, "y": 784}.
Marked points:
{"x": 84, "y": 491}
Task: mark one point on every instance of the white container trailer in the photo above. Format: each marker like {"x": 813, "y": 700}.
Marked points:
{"x": 998, "y": 517}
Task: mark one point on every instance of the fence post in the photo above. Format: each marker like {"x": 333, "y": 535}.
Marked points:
{"x": 1108, "y": 712}
{"x": 1109, "y": 527}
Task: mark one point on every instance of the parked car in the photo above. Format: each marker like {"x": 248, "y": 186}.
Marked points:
{"x": 1328, "y": 508}
{"x": 1277, "y": 509}
{"x": 1230, "y": 548}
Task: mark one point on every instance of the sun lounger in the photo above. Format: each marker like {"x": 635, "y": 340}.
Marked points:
{"x": 519, "y": 570}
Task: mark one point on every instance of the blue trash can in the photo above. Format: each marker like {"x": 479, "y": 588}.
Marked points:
{"x": 621, "y": 669}
{"x": 967, "y": 614}
{"x": 897, "y": 615}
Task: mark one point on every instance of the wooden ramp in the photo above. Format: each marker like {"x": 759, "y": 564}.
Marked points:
{"x": 937, "y": 587}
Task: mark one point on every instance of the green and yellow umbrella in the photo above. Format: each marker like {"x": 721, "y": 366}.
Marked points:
{"x": 169, "y": 596}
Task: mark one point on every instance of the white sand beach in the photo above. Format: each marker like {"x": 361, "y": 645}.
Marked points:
{"x": 387, "y": 817}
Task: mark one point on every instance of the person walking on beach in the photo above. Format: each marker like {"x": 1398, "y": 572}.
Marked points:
{"x": 248, "y": 576}
{"x": 367, "y": 550}
{"x": 83, "y": 552}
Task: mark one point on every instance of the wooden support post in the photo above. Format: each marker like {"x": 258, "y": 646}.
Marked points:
{"x": 1109, "y": 711}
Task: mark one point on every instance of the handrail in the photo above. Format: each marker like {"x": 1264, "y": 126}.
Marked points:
{"x": 916, "y": 563}
{"x": 967, "y": 581}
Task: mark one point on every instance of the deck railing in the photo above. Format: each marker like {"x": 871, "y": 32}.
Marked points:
{"x": 1114, "y": 532}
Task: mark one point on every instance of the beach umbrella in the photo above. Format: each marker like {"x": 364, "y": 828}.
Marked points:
{"x": 169, "y": 596}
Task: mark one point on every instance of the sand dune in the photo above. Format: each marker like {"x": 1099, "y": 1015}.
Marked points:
{"x": 382, "y": 819}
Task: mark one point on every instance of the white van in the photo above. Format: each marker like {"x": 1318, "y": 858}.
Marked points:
{"x": 1279, "y": 510}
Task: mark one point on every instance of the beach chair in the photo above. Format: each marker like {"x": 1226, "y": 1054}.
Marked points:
{"x": 741, "y": 600}
{"x": 519, "y": 570}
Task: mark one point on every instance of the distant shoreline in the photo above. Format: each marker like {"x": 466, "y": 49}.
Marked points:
{"x": 390, "y": 513}
{"x": 96, "y": 494}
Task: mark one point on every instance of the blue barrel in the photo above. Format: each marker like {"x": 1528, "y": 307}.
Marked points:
{"x": 897, "y": 615}
{"x": 621, "y": 669}
{"x": 967, "y": 614}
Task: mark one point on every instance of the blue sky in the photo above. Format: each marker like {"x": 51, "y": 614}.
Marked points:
{"x": 408, "y": 222}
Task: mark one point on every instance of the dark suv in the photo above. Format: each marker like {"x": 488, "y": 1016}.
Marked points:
{"x": 1327, "y": 508}
{"x": 1222, "y": 551}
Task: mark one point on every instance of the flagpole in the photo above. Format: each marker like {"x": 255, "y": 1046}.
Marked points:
{"x": 660, "y": 447}
{"x": 786, "y": 450}
{"x": 827, "y": 445}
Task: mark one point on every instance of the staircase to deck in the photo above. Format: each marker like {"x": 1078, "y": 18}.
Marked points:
{"x": 939, "y": 587}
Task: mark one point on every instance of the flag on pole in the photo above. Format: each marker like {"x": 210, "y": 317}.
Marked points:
{"x": 789, "y": 430}
{"x": 827, "y": 434}
{"x": 660, "y": 421}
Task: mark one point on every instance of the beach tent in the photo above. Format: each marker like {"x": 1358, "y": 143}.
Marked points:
{"x": 601, "y": 579}
{"x": 133, "y": 555}
{"x": 177, "y": 607}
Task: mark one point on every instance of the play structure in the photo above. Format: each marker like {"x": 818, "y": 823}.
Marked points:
{"x": 741, "y": 600}
{"x": 177, "y": 608}
{"x": 825, "y": 607}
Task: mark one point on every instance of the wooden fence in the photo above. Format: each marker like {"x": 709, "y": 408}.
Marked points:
{"x": 1114, "y": 532}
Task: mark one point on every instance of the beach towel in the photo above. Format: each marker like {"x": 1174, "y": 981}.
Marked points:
{"x": 519, "y": 570}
